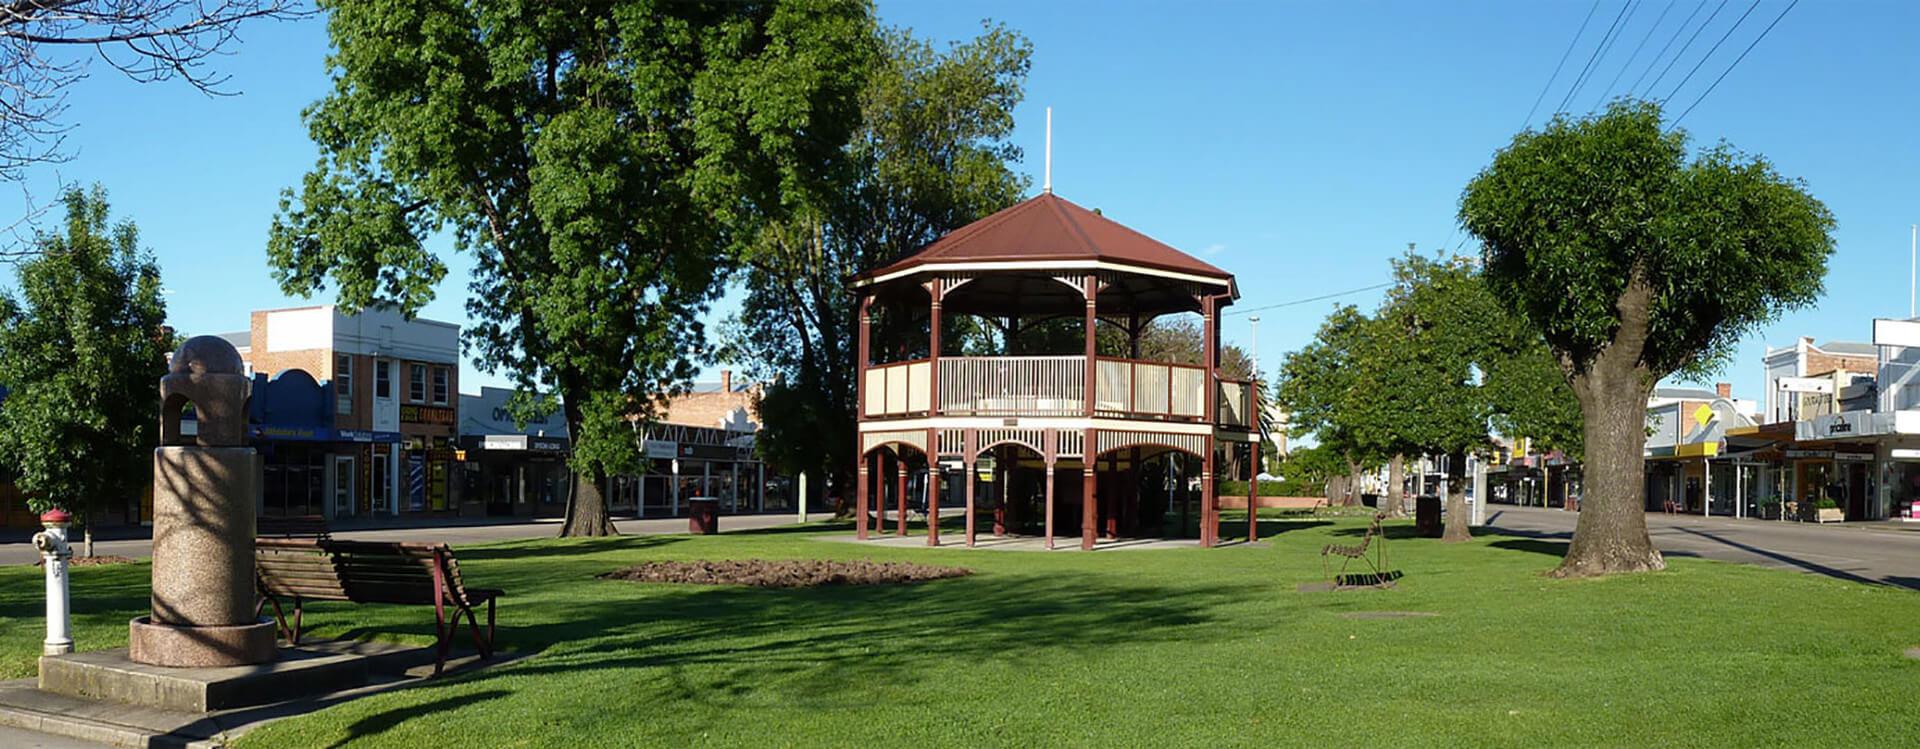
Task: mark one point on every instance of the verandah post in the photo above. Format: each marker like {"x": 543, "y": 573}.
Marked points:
{"x": 933, "y": 485}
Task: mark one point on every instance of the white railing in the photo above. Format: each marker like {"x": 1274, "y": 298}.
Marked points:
{"x": 1051, "y": 386}
{"x": 1013, "y": 386}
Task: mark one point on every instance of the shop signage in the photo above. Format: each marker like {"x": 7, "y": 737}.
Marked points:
{"x": 504, "y": 442}
{"x": 662, "y": 449}
{"x": 1896, "y": 332}
{"x": 1828, "y": 454}
{"x": 418, "y": 414}
{"x": 316, "y": 434}
{"x": 547, "y": 444}
{"x": 1853, "y": 456}
{"x": 1843, "y": 424}
{"x": 1904, "y": 453}
{"x": 1805, "y": 384}
{"x": 709, "y": 452}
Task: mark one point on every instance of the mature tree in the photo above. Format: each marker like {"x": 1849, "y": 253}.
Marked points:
{"x": 603, "y": 163}
{"x": 931, "y": 155}
{"x": 85, "y": 348}
{"x": 1635, "y": 262}
{"x": 1179, "y": 339}
{"x": 45, "y": 46}
{"x": 1321, "y": 388}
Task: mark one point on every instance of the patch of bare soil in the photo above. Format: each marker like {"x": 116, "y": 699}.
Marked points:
{"x": 784, "y": 573}
{"x": 94, "y": 561}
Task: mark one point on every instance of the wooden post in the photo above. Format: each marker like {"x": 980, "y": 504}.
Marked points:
{"x": 1089, "y": 476}
{"x": 1001, "y": 481}
{"x": 889, "y": 465}
{"x": 1052, "y": 452}
{"x": 936, "y": 289}
{"x": 1110, "y": 513}
{"x": 933, "y": 489}
{"x": 1207, "y": 527}
{"x": 859, "y": 499}
{"x": 1093, "y": 291}
{"x": 900, "y": 496}
{"x": 1253, "y": 492}
{"x": 970, "y": 479}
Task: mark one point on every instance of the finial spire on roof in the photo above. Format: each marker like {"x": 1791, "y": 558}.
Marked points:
{"x": 1046, "y": 184}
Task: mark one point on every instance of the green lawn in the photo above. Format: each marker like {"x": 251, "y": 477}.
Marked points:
{"x": 1163, "y": 648}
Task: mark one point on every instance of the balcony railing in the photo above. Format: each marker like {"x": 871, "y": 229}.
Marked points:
{"x": 1051, "y": 386}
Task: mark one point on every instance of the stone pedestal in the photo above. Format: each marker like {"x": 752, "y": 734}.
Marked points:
{"x": 203, "y": 591}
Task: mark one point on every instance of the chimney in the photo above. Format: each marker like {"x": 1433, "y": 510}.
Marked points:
{"x": 726, "y": 380}
{"x": 1724, "y": 389}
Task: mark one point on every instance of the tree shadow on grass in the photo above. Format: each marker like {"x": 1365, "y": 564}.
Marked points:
{"x": 384, "y": 720}
{"x": 825, "y": 648}
{"x": 1390, "y": 530}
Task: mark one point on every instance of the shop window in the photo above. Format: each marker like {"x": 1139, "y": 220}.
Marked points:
{"x": 343, "y": 382}
{"x": 440, "y": 377}
{"x": 417, "y": 383}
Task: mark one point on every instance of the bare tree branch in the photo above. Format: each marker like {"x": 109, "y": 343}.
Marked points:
{"x": 46, "y": 45}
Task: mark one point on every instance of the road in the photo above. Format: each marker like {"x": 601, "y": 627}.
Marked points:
{"x": 1873, "y": 553}
{"x": 21, "y": 552}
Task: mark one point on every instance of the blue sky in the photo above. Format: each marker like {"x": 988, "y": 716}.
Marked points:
{"x": 1300, "y": 146}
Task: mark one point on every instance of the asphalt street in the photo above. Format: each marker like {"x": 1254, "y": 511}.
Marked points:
{"x": 1863, "y": 552}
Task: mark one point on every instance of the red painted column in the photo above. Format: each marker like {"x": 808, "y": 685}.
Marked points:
{"x": 888, "y": 465}
{"x": 1089, "y": 480}
{"x": 971, "y": 441}
{"x": 860, "y": 409}
{"x": 936, "y": 289}
{"x": 933, "y": 489}
{"x": 1093, "y": 292}
{"x": 1115, "y": 493}
{"x": 900, "y": 496}
{"x": 1207, "y": 527}
{"x": 860, "y": 499}
{"x": 1002, "y": 477}
{"x": 1052, "y": 442}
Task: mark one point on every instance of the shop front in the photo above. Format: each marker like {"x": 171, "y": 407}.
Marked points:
{"x": 516, "y": 474}
{"x": 681, "y": 462}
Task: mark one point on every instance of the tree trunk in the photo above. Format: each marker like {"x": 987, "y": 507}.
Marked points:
{"x": 1611, "y": 535}
{"x": 1352, "y": 498}
{"x": 1394, "y": 503}
{"x": 1456, "y": 514}
{"x": 586, "y": 505}
{"x": 587, "y": 509}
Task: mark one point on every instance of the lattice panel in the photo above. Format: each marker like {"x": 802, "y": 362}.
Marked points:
{"x": 917, "y": 438}
{"x": 1114, "y": 439}
{"x": 1072, "y": 444}
{"x": 1032, "y": 439}
{"x": 953, "y": 442}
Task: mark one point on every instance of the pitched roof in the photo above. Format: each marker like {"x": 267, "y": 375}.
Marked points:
{"x": 1050, "y": 228}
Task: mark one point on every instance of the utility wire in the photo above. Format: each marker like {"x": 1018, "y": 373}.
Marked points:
{"x": 1710, "y": 51}
{"x": 1309, "y": 300}
{"x": 1736, "y": 62}
{"x": 1655, "y": 62}
{"x": 1683, "y": 48}
{"x": 1571, "y": 43}
{"x": 1636, "y": 53}
{"x": 1598, "y": 50}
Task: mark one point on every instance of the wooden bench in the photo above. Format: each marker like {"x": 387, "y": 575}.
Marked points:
{"x": 1371, "y": 545}
{"x": 371, "y": 572}
{"x": 293, "y": 526}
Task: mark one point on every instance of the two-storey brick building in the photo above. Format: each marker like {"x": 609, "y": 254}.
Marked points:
{"x": 395, "y": 385}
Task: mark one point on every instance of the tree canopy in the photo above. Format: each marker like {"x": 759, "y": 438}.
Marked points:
{"x": 603, "y": 164}
{"x": 84, "y": 348}
{"x": 931, "y": 154}
{"x": 1633, "y": 262}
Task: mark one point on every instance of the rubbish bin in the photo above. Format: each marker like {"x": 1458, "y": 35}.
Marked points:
{"x": 703, "y": 516}
{"x": 1426, "y": 517}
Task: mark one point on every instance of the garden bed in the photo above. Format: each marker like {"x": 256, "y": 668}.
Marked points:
{"x": 785, "y": 573}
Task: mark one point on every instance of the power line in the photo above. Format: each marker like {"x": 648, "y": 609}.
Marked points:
{"x": 1736, "y": 62}
{"x": 1655, "y": 62}
{"x": 1710, "y": 51}
{"x": 1598, "y": 50}
{"x": 1309, "y": 300}
{"x": 1556, "y": 68}
{"x": 1683, "y": 48}
{"x": 1636, "y": 52}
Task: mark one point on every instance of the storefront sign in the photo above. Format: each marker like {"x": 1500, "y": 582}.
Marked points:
{"x": 1853, "y": 456}
{"x": 1904, "y": 453}
{"x": 662, "y": 449}
{"x": 1827, "y": 454}
{"x": 1844, "y": 424}
{"x": 310, "y": 434}
{"x": 417, "y": 414}
{"x": 504, "y": 442}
